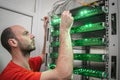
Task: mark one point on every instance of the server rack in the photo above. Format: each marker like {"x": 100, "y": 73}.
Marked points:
{"x": 95, "y": 41}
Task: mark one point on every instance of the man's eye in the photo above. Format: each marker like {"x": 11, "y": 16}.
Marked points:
{"x": 26, "y": 33}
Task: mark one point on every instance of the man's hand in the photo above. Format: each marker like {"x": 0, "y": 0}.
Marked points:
{"x": 66, "y": 21}
{"x": 46, "y": 21}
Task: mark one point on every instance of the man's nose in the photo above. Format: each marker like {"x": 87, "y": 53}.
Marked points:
{"x": 32, "y": 36}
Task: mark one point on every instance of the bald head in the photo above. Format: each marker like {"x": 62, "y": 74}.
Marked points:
{"x": 16, "y": 28}
{"x": 9, "y": 33}
{"x": 17, "y": 38}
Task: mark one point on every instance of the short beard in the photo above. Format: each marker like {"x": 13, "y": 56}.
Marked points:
{"x": 25, "y": 52}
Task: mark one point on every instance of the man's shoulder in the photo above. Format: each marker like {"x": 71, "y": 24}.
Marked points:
{"x": 16, "y": 72}
{"x": 11, "y": 68}
{"x": 8, "y": 71}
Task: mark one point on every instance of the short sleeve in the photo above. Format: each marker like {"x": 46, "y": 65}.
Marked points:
{"x": 28, "y": 76}
{"x": 35, "y": 63}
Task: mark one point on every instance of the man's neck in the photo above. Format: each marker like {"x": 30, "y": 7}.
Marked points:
{"x": 21, "y": 60}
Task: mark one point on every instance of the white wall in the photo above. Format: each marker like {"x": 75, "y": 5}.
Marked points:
{"x": 45, "y": 6}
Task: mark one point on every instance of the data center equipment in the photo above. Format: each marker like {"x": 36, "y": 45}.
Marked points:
{"x": 95, "y": 40}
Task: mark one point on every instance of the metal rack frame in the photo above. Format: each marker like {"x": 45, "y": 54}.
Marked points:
{"x": 112, "y": 37}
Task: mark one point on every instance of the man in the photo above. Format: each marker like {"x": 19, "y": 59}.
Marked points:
{"x": 19, "y": 42}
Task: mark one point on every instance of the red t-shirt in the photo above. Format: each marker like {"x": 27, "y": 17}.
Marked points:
{"x": 16, "y": 72}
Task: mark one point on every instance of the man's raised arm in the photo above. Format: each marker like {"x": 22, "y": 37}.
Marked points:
{"x": 64, "y": 64}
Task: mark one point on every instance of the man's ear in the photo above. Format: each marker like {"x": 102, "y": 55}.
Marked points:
{"x": 12, "y": 42}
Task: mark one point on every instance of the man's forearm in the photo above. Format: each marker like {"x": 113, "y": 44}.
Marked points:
{"x": 65, "y": 59}
{"x": 45, "y": 34}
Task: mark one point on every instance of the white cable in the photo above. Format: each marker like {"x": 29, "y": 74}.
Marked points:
{"x": 60, "y": 4}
